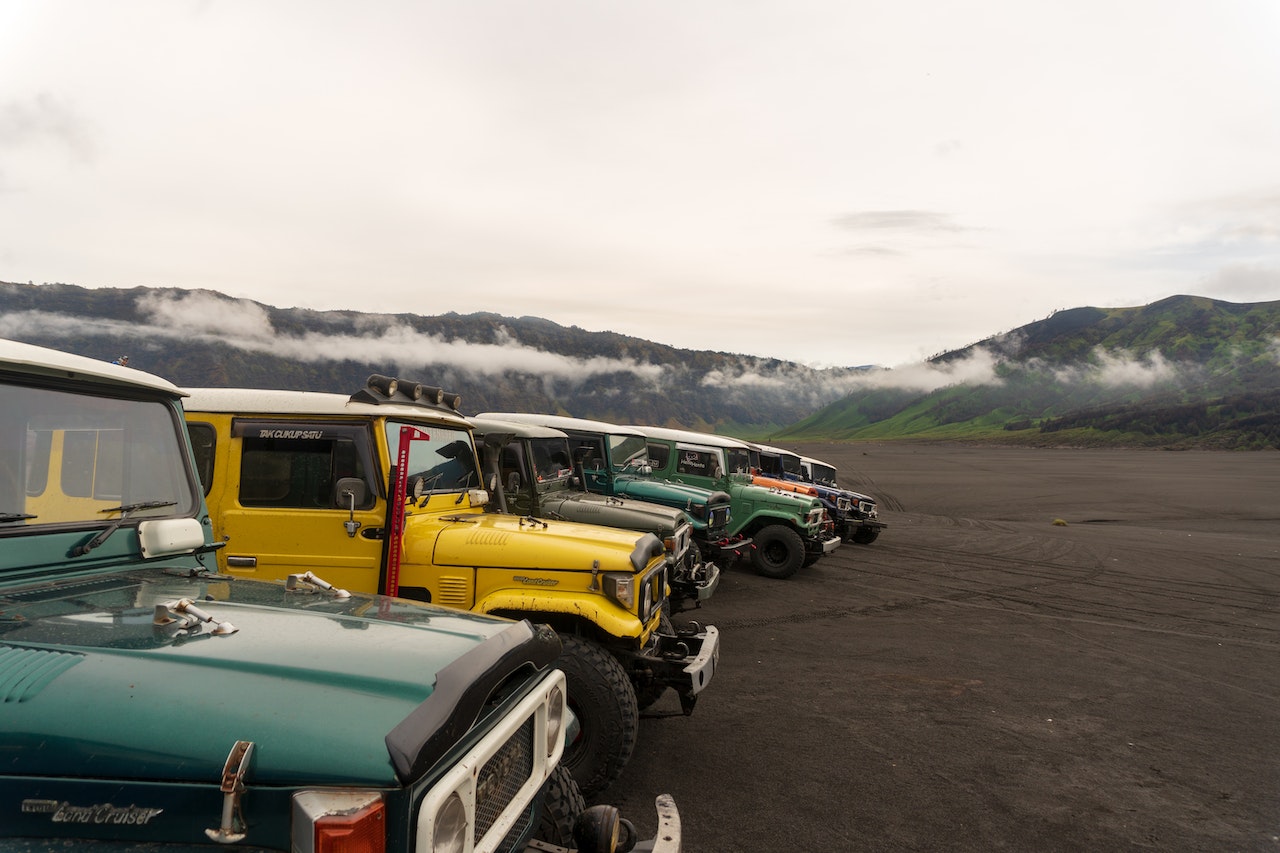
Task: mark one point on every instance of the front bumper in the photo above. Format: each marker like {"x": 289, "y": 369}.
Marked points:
{"x": 727, "y": 550}
{"x": 690, "y": 589}
{"x": 684, "y": 661}
{"x": 823, "y": 545}
{"x": 666, "y": 840}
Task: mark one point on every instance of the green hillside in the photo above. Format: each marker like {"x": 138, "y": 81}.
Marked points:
{"x": 1183, "y": 372}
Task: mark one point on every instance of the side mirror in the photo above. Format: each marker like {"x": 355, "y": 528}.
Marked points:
{"x": 349, "y": 493}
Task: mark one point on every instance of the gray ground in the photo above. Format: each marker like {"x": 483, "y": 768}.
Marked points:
{"x": 981, "y": 678}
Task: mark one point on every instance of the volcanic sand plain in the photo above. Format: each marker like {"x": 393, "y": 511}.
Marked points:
{"x": 1047, "y": 650}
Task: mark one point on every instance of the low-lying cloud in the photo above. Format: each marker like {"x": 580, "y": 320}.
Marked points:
{"x": 380, "y": 338}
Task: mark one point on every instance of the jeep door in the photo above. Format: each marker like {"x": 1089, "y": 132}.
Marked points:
{"x": 284, "y": 495}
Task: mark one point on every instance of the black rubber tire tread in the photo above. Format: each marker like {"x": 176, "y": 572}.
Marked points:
{"x": 866, "y": 535}
{"x": 562, "y": 802}
{"x": 651, "y": 693}
{"x": 603, "y": 700}
{"x": 778, "y": 553}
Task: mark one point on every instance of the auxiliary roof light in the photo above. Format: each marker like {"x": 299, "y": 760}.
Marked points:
{"x": 384, "y": 385}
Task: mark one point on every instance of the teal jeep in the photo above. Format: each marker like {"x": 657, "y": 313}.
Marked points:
{"x": 151, "y": 702}
{"x": 789, "y": 530}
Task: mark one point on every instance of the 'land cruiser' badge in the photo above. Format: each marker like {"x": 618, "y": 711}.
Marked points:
{"x": 64, "y": 812}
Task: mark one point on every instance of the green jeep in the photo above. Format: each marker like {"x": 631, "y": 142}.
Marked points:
{"x": 153, "y": 702}
{"x": 533, "y": 470}
{"x": 612, "y": 460}
{"x": 789, "y": 530}
{"x": 381, "y": 492}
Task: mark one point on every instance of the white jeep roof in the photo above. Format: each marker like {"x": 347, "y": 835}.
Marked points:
{"x": 266, "y": 402}
{"x": 562, "y": 422}
{"x": 18, "y": 357}
{"x": 703, "y": 438}
{"x": 486, "y": 425}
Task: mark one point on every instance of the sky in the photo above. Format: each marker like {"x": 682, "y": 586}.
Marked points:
{"x": 830, "y": 182}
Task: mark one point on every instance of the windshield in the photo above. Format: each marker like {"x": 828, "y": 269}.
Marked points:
{"x": 739, "y": 460}
{"x": 628, "y": 451}
{"x": 445, "y": 461}
{"x": 823, "y": 473}
{"x": 791, "y": 464}
{"x": 550, "y": 459}
{"x": 76, "y": 458}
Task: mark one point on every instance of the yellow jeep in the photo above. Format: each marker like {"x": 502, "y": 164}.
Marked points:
{"x": 381, "y": 492}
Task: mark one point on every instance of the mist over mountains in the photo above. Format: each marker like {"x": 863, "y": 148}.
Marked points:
{"x": 1185, "y": 371}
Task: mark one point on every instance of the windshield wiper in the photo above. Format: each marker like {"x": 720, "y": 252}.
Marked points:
{"x": 6, "y": 517}
{"x": 462, "y": 494}
{"x": 124, "y": 511}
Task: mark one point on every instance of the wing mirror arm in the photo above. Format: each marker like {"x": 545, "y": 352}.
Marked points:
{"x": 351, "y": 490}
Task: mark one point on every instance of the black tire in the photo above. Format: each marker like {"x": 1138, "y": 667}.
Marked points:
{"x": 562, "y": 802}
{"x": 603, "y": 700}
{"x": 778, "y": 553}
{"x": 649, "y": 694}
{"x": 866, "y": 535}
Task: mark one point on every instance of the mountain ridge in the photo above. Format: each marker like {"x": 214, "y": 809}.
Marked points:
{"x": 1185, "y": 371}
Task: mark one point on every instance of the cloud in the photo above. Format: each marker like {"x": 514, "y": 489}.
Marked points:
{"x": 1120, "y": 368}
{"x": 39, "y": 120}
{"x": 977, "y": 368}
{"x": 897, "y": 220}
{"x": 1244, "y": 281}
{"x": 246, "y": 325}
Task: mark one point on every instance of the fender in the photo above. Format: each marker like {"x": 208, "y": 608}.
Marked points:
{"x": 603, "y": 613}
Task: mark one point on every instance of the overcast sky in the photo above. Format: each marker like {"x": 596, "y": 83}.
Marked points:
{"x": 834, "y": 182}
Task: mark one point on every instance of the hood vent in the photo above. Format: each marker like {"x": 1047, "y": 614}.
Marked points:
{"x": 25, "y": 672}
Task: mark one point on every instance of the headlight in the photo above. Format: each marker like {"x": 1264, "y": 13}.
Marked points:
{"x": 555, "y": 719}
{"x": 450, "y": 834}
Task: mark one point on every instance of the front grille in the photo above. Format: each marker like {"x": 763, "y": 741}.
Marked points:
{"x": 502, "y": 777}
{"x": 719, "y": 517}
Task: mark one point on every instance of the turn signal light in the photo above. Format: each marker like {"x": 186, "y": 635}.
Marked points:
{"x": 363, "y": 831}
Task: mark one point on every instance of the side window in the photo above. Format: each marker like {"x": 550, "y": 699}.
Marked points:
{"x": 204, "y": 440}
{"x": 590, "y": 451}
{"x": 659, "y": 455}
{"x": 297, "y": 473}
{"x": 511, "y": 462}
{"x": 698, "y": 463}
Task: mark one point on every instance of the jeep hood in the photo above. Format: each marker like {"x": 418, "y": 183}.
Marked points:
{"x": 668, "y": 492}
{"x": 91, "y": 687}
{"x": 494, "y": 541}
{"x": 590, "y": 508}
